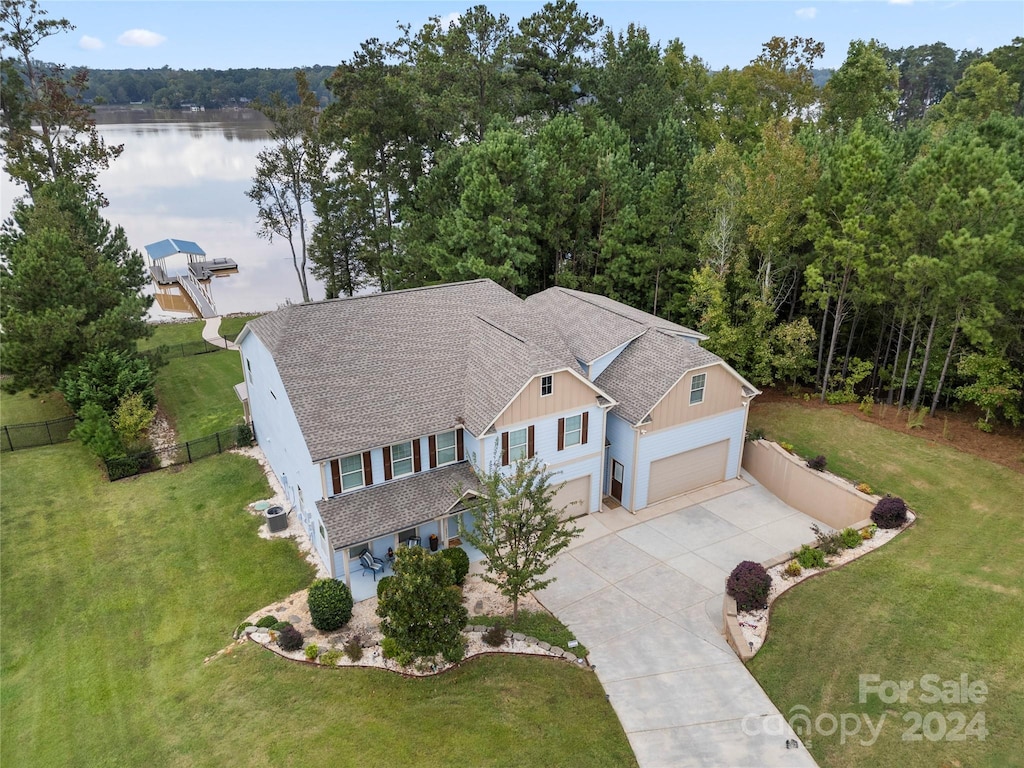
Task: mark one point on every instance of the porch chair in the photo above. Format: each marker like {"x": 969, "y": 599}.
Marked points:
{"x": 370, "y": 563}
{"x": 412, "y": 541}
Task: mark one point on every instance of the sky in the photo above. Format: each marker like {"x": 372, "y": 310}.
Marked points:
{"x": 199, "y": 34}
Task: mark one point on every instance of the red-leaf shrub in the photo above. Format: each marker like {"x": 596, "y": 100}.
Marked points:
{"x": 290, "y": 639}
{"x": 749, "y": 583}
{"x": 890, "y": 512}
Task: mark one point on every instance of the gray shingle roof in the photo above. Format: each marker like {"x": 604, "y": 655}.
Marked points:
{"x": 594, "y": 325}
{"x": 646, "y": 370}
{"x": 357, "y": 517}
{"x": 374, "y": 370}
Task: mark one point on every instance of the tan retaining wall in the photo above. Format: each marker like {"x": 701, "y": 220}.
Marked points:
{"x": 825, "y": 497}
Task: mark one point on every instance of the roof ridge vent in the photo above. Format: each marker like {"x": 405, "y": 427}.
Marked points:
{"x": 497, "y": 327}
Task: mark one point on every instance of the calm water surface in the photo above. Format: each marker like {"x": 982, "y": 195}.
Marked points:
{"x": 184, "y": 175}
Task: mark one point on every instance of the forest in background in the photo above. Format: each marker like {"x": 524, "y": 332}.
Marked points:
{"x": 863, "y": 237}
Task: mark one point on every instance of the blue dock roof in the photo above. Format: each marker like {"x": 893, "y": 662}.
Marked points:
{"x": 169, "y": 247}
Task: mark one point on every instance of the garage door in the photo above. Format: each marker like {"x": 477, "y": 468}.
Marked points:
{"x": 686, "y": 471}
{"x": 574, "y": 490}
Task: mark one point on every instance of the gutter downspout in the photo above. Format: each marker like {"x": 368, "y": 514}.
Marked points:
{"x": 632, "y": 481}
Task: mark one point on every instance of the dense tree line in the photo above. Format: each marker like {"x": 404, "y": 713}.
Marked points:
{"x": 864, "y": 237}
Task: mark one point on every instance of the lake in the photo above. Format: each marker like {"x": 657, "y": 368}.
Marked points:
{"x": 184, "y": 175}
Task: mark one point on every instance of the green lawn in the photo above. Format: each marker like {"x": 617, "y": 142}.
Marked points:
{"x": 196, "y": 393}
{"x": 232, "y": 326}
{"x": 538, "y": 624}
{"x": 23, "y": 407}
{"x": 946, "y": 598}
{"x": 114, "y": 593}
{"x": 173, "y": 333}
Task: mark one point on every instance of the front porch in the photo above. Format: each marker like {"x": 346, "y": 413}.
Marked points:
{"x": 362, "y": 582}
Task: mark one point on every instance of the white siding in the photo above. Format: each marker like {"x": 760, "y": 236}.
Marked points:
{"x": 667, "y": 442}
{"x": 278, "y": 434}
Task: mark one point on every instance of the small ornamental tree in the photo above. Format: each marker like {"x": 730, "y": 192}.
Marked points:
{"x": 890, "y": 512}
{"x": 518, "y": 530}
{"x": 749, "y": 583}
{"x": 421, "y": 610}
{"x": 330, "y": 604}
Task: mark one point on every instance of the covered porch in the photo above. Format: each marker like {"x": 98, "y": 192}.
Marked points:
{"x": 420, "y": 511}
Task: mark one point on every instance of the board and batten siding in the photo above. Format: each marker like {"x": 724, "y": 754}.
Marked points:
{"x": 280, "y": 438}
{"x": 668, "y": 442}
{"x": 568, "y": 393}
{"x": 722, "y": 392}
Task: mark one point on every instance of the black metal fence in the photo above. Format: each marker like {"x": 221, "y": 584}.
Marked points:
{"x": 185, "y": 349}
{"x": 120, "y": 467}
{"x": 15, "y": 437}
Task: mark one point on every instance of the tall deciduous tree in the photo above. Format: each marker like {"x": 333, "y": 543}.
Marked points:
{"x": 47, "y": 130}
{"x": 518, "y": 530}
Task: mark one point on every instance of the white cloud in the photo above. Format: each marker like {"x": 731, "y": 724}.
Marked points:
{"x": 90, "y": 43}
{"x": 807, "y": 13}
{"x": 140, "y": 38}
{"x": 449, "y": 19}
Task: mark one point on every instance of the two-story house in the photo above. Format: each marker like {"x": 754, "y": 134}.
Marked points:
{"x": 374, "y": 411}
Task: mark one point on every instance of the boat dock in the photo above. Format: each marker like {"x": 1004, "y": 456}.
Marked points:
{"x": 193, "y": 282}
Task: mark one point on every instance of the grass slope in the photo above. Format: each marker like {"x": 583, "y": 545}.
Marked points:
{"x": 173, "y": 333}
{"x": 945, "y": 598}
{"x": 24, "y": 408}
{"x": 232, "y": 326}
{"x": 113, "y": 594}
{"x": 196, "y": 393}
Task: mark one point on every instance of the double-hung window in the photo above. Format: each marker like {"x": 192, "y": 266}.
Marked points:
{"x": 401, "y": 459}
{"x": 518, "y": 444}
{"x": 697, "y": 388}
{"x": 352, "y": 472}
{"x": 547, "y": 385}
{"x": 447, "y": 448}
{"x": 573, "y": 430}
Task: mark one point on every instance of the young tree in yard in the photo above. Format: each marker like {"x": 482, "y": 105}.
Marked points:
{"x": 421, "y": 609}
{"x": 517, "y": 529}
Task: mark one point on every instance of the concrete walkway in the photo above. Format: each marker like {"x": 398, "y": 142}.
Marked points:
{"x": 644, "y": 594}
{"x": 211, "y": 334}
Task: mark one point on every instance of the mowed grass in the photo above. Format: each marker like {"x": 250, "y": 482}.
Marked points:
{"x": 232, "y": 326}
{"x": 538, "y": 624}
{"x": 114, "y": 593}
{"x": 24, "y": 408}
{"x": 945, "y": 598}
{"x": 173, "y": 333}
{"x": 196, "y": 393}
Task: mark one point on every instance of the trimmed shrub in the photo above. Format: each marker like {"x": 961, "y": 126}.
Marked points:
{"x": 890, "y": 512}
{"x": 818, "y": 463}
{"x": 240, "y": 629}
{"x": 278, "y": 626}
{"x": 330, "y": 658}
{"x": 330, "y": 604}
{"x": 390, "y": 649}
{"x": 749, "y": 583}
{"x": 267, "y": 621}
{"x": 809, "y": 557}
{"x": 459, "y": 561}
{"x": 864, "y": 488}
{"x": 787, "y": 447}
{"x": 851, "y": 538}
{"x": 383, "y": 585}
{"x": 792, "y": 570}
{"x": 312, "y": 651}
{"x": 869, "y": 532}
{"x": 455, "y": 652}
{"x": 290, "y": 639}
{"x": 354, "y": 648}
{"x": 495, "y": 635}
{"x": 828, "y": 543}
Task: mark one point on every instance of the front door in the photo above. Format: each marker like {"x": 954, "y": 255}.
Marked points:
{"x": 617, "y": 471}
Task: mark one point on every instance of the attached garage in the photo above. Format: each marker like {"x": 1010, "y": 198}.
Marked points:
{"x": 576, "y": 490}
{"x": 687, "y": 471}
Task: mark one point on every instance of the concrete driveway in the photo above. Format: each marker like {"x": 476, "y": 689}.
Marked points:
{"x": 644, "y": 594}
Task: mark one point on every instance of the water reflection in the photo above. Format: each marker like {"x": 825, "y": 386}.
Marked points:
{"x": 184, "y": 175}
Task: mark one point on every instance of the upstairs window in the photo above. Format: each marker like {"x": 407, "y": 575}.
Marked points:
{"x": 401, "y": 459}
{"x": 447, "y": 448}
{"x": 697, "y": 388}
{"x": 547, "y": 385}
{"x": 573, "y": 431}
{"x": 518, "y": 445}
{"x": 352, "y": 473}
